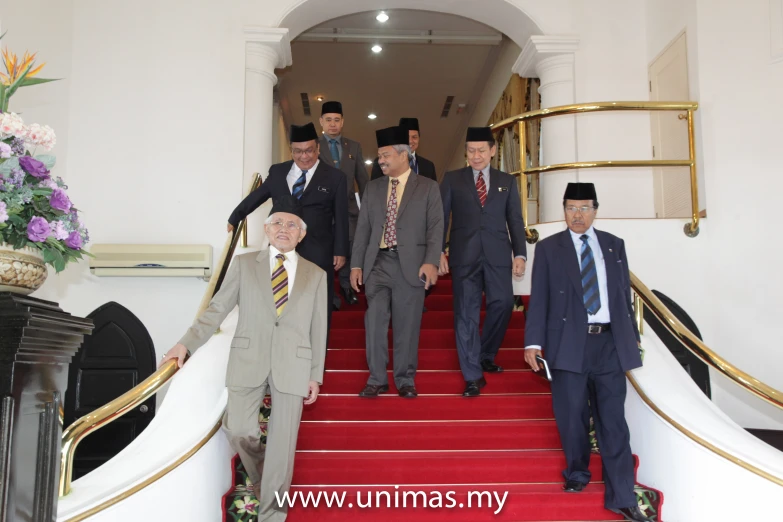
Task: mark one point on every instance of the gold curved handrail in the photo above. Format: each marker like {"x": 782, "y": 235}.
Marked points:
{"x": 126, "y": 402}
{"x": 700, "y": 350}
{"x": 107, "y": 413}
{"x": 691, "y": 229}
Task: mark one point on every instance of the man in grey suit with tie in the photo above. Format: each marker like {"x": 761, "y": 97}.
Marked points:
{"x": 279, "y": 346}
{"x": 396, "y": 253}
{"x": 346, "y": 155}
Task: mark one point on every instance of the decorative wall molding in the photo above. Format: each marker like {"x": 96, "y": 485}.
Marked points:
{"x": 275, "y": 38}
{"x": 541, "y": 47}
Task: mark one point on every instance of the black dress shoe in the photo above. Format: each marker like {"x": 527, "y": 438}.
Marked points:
{"x": 350, "y": 296}
{"x": 633, "y": 513}
{"x": 372, "y": 390}
{"x": 408, "y": 392}
{"x": 573, "y": 486}
{"x": 490, "y": 367}
{"x": 472, "y": 387}
{"x": 336, "y": 303}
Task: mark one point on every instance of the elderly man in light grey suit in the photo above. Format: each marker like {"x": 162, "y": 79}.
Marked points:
{"x": 396, "y": 251}
{"x": 279, "y": 346}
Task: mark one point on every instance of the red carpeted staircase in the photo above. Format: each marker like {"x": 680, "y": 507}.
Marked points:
{"x": 504, "y": 441}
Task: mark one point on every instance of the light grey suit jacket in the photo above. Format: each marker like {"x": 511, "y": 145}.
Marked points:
{"x": 419, "y": 226}
{"x": 352, "y": 164}
{"x": 292, "y": 347}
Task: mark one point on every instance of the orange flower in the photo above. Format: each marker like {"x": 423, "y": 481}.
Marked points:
{"x": 16, "y": 69}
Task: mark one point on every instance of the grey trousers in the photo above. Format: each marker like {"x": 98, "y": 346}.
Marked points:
{"x": 240, "y": 423}
{"x": 388, "y": 293}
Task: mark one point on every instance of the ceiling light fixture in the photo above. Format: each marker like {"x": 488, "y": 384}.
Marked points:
{"x": 368, "y": 162}
{"x": 372, "y": 116}
{"x": 382, "y": 17}
{"x": 377, "y": 48}
{"x": 319, "y": 98}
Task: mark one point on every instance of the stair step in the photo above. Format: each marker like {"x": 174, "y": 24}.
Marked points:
{"x": 356, "y": 359}
{"x": 524, "y": 503}
{"x": 429, "y": 320}
{"x": 433, "y": 303}
{"x": 482, "y": 435}
{"x": 429, "y": 338}
{"x": 433, "y": 467}
{"x": 448, "y": 382}
{"x": 390, "y": 407}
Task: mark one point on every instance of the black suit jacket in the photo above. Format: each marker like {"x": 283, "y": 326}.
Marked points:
{"x": 556, "y": 316}
{"x": 426, "y": 169}
{"x": 324, "y": 210}
{"x": 492, "y": 232}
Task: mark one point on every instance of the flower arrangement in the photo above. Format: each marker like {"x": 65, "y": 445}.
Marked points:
{"x": 35, "y": 210}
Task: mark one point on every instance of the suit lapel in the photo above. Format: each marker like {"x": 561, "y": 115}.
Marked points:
{"x": 608, "y": 250}
{"x": 315, "y": 180}
{"x": 300, "y": 283}
{"x": 571, "y": 261}
{"x": 326, "y": 153}
{"x": 494, "y": 185}
{"x": 264, "y": 278}
{"x": 410, "y": 188}
{"x": 346, "y": 152}
{"x": 468, "y": 176}
{"x": 380, "y": 214}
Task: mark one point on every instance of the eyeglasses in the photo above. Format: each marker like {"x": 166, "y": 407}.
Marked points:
{"x": 581, "y": 210}
{"x": 291, "y": 226}
{"x": 300, "y": 152}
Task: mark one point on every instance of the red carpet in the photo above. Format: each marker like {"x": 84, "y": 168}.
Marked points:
{"x": 437, "y": 446}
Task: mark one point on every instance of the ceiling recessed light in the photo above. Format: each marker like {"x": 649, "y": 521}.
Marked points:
{"x": 382, "y": 18}
{"x": 377, "y": 48}
{"x": 368, "y": 162}
{"x": 372, "y": 116}
{"x": 319, "y": 98}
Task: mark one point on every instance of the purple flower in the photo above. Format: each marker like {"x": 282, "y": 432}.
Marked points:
{"x": 3, "y": 213}
{"x": 17, "y": 146}
{"x": 33, "y": 167}
{"x": 38, "y": 230}
{"x": 5, "y": 150}
{"x": 59, "y": 230}
{"x": 17, "y": 177}
{"x": 74, "y": 240}
{"x": 59, "y": 200}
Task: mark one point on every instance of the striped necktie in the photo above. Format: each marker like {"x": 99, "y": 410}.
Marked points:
{"x": 481, "y": 188}
{"x": 299, "y": 186}
{"x": 590, "y": 294}
{"x": 280, "y": 284}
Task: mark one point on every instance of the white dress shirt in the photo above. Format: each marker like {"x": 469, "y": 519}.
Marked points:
{"x": 296, "y": 172}
{"x": 291, "y": 260}
{"x": 603, "y": 316}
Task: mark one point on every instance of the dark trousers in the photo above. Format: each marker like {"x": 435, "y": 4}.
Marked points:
{"x": 389, "y": 294}
{"x": 345, "y": 271}
{"x": 602, "y": 382}
{"x": 469, "y": 282}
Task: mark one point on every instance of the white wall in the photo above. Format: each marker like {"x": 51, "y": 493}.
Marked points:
{"x": 150, "y": 119}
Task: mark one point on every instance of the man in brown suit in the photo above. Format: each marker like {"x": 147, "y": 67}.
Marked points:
{"x": 279, "y": 346}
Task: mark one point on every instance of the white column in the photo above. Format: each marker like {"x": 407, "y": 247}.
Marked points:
{"x": 266, "y": 49}
{"x": 551, "y": 59}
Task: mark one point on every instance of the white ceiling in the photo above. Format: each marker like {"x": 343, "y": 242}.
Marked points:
{"x": 404, "y": 80}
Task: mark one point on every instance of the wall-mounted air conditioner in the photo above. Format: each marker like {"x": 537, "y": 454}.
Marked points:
{"x": 151, "y": 260}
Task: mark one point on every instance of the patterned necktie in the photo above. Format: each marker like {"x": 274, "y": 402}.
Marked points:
{"x": 481, "y": 188}
{"x": 590, "y": 294}
{"x": 335, "y": 152}
{"x": 299, "y": 186}
{"x": 414, "y": 164}
{"x": 390, "y": 232}
{"x": 280, "y": 284}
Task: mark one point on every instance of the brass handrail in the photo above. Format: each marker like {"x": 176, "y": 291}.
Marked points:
{"x": 126, "y": 402}
{"x": 691, "y": 229}
{"x": 699, "y": 349}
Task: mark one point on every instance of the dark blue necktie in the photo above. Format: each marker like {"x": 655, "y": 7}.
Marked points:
{"x": 335, "y": 152}
{"x": 414, "y": 164}
{"x": 590, "y": 294}
{"x": 299, "y": 186}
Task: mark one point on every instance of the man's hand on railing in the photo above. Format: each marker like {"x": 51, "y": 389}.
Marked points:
{"x": 230, "y": 227}
{"x": 179, "y": 352}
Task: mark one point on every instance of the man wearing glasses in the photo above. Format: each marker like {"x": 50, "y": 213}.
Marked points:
{"x": 320, "y": 190}
{"x": 581, "y": 316}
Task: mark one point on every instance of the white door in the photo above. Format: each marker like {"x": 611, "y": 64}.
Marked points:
{"x": 669, "y": 82}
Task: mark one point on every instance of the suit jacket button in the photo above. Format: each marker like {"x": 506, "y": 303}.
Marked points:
{"x": 564, "y": 318}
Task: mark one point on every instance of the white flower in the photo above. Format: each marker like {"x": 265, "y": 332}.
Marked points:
{"x": 11, "y": 124}
{"x": 40, "y": 135}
